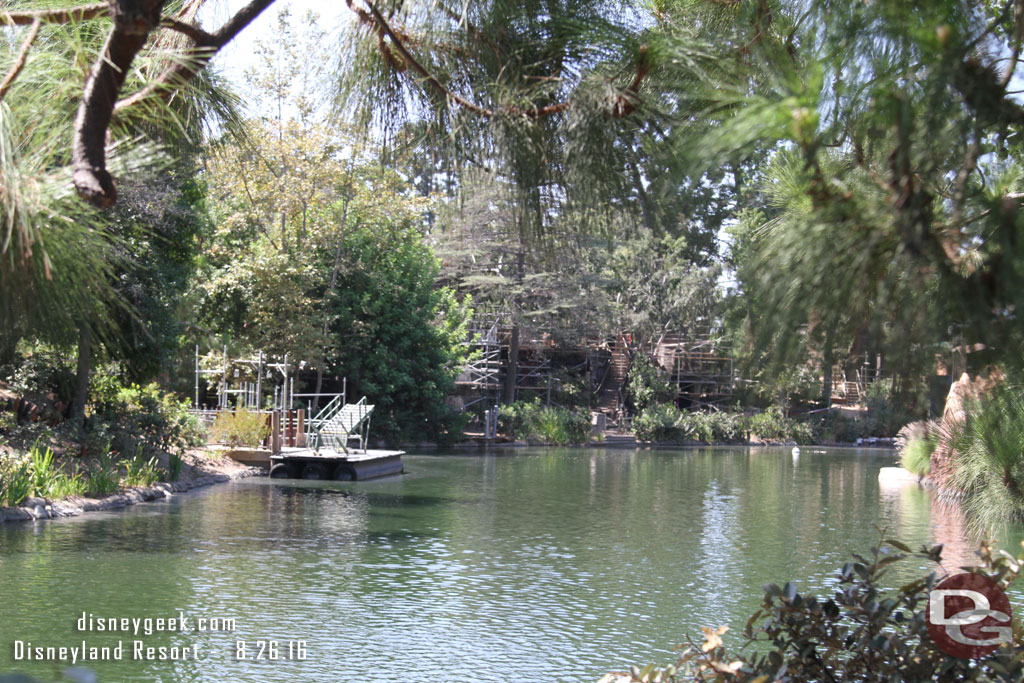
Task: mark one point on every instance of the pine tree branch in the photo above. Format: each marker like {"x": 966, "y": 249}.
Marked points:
{"x": 198, "y": 35}
{"x": 181, "y": 73}
{"x": 19, "y": 63}
{"x": 622, "y": 105}
{"x": 55, "y": 16}
{"x": 383, "y": 24}
{"x": 133, "y": 22}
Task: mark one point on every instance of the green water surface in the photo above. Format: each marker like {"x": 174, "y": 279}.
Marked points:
{"x": 537, "y": 565}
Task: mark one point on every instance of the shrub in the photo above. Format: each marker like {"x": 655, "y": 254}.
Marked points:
{"x": 645, "y": 385}
{"x": 16, "y": 476}
{"x": 699, "y": 426}
{"x": 240, "y": 428}
{"x": 139, "y": 472}
{"x": 44, "y": 371}
{"x": 142, "y": 416}
{"x": 65, "y": 486}
{"x": 833, "y": 427}
{"x": 174, "y": 464}
{"x": 801, "y": 432}
{"x": 989, "y": 457}
{"x": 885, "y": 414}
{"x": 727, "y": 427}
{"x": 915, "y": 444}
{"x": 104, "y": 477}
{"x": 44, "y": 473}
{"x": 661, "y": 422}
{"x": 771, "y": 425}
{"x": 536, "y": 422}
{"x": 864, "y": 631}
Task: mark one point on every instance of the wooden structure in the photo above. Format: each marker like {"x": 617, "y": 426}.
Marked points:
{"x": 702, "y": 373}
{"x": 696, "y": 365}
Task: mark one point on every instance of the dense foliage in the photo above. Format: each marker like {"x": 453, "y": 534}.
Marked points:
{"x": 136, "y": 420}
{"x": 988, "y": 470}
{"x": 534, "y": 421}
{"x": 865, "y": 631}
{"x": 240, "y": 428}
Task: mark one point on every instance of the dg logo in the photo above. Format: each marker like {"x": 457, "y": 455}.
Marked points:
{"x": 969, "y": 616}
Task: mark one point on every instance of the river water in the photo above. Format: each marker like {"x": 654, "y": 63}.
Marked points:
{"x": 537, "y": 565}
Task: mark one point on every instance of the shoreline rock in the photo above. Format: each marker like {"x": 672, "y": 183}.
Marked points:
{"x": 33, "y": 509}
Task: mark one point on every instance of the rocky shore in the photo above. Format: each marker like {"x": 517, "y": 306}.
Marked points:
{"x": 42, "y": 508}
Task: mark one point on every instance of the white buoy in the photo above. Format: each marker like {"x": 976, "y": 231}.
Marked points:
{"x": 796, "y": 451}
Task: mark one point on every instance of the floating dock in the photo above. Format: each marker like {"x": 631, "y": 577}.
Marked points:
{"x": 328, "y": 463}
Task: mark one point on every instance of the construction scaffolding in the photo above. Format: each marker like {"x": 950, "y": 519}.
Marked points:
{"x": 245, "y": 383}
{"x": 702, "y": 374}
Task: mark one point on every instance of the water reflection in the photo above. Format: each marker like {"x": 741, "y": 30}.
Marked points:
{"x": 548, "y": 564}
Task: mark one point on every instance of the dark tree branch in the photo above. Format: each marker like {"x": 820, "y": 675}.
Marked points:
{"x": 133, "y": 22}
{"x": 422, "y": 70}
{"x": 962, "y": 177}
{"x": 55, "y": 16}
{"x": 198, "y": 35}
{"x": 1018, "y": 36}
{"x": 19, "y": 63}
{"x": 201, "y": 56}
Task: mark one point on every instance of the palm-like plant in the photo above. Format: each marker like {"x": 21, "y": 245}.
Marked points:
{"x": 58, "y": 255}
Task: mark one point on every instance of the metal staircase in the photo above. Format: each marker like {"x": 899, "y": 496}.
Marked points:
{"x": 339, "y": 423}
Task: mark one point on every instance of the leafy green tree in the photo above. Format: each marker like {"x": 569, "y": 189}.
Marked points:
{"x": 397, "y": 338}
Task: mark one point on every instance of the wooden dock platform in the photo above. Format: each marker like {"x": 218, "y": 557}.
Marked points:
{"x": 328, "y": 463}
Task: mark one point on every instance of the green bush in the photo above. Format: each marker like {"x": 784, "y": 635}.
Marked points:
{"x": 104, "y": 477}
{"x": 174, "y": 465}
{"x": 864, "y": 630}
{"x": 885, "y": 415}
{"x": 36, "y": 474}
{"x": 833, "y": 427}
{"x": 44, "y": 473}
{"x": 45, "y": 370}
{"x": 533, "y": 421}
{"x": 15, "y": 479}
{"x": 728, "y": 427}
{"x": 700, "y": 426}
{"x": 66, "y": 486}
{"x": 917, "y": 456}
{"x": 145, "y": 416}
{"x": 662, "y": 422}
{"x": 915, "y": 444}
{"x": 989, "y": 457}
{"x": 645, "y": 385}
{"x": 771, "y": 425}
{"x": 240, "y": 428}
{"x": 665, "y": 422}
{"x": 139, "y": 472}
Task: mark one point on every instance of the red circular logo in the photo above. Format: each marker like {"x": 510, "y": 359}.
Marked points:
{"x": 969, "y": 616}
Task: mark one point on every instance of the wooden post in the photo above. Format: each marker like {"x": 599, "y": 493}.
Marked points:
{"x": 275, "y": 432}
{"x": 300, "y": 429}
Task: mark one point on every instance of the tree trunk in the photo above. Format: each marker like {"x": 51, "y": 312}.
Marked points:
{"x": 82, "y": 376}
{"x": 9, "y": 346}
{"x": 828, "y": 361}
{"x": 335, "y": 270}
{"x": 284, "y": 234}
{"x": 512, "y": 371}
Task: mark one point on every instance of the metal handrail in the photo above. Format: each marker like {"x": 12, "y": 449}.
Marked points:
{"x": 361, "y": 414}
